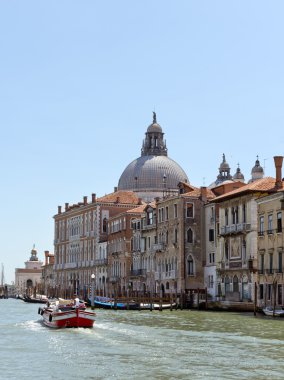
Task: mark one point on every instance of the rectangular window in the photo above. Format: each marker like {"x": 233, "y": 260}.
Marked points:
{"x": 211, "y": 234}
{"x": 261, "y": 269}
{"x": 279, "y": 222}
{"x": 149, "y": 242}
{"x": 175, "y": 211}
{"x": 269, "y": 292}
{"x": 244, "y": 214}
{"x": 226, "y": 217}
{"x": 280, "y": 270}
{"x": 270, "y": 263}
{"x": 261, "y": 291}
{"x": 167, "y": 213}
{"x": 269, "y": 229}
{"x": 189, "y": 210}
{"x": 150, "y": 217}
{"x": 280, "y": 294}
{"x": 261, "y": 226}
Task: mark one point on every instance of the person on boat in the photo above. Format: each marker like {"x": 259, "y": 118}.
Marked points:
{"x": 76, "y": 301}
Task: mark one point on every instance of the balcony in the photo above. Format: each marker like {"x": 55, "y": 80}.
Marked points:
{"x": 235, "y": 228}
{"x": 138, "y": 272}
{"x": 70, "y": 265}
{"x": 114, "y": 279}
{"x": 157, "y": 276}
{"x": 100, "y": 262}
{"x": 169, "y": 275}
{"x": 159, "y": 247}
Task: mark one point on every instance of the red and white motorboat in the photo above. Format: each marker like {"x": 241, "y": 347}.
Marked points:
{"x": 62, "y": 313}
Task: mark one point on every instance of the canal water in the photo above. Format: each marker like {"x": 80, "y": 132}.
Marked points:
{"x": 141, "y": 345}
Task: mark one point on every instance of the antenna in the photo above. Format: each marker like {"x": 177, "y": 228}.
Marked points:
{"x": 265, "y": 159}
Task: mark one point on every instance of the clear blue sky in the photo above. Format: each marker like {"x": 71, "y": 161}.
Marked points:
{"x": 79, "y": 81}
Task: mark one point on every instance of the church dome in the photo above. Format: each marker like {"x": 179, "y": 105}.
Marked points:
{"x": 238, "y": 176}
{"x": 154, "y": 172}
{"x": 154, "y": 127}
{"x": 257, "y": 171}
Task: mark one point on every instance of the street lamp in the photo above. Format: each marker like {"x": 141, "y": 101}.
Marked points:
{"x": 92, "y": 290}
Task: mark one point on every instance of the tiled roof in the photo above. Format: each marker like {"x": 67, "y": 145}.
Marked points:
{"x": 138, "y": 209}
{"x": 266, "y": 184}
{"x": 121, "y": 196}
{"x": 197, "y": 193}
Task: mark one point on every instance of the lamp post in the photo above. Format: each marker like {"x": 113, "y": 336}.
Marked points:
{"x": 92, "y": 290}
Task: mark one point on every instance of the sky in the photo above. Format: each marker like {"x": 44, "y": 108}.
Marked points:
{"x": 79, "y": 81}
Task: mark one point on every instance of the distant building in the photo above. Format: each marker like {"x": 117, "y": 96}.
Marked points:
{"x": 28, "y": 279}
{"x": 48, "y": 281}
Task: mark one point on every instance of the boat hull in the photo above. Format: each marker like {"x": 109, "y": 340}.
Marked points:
{"x": 67, "y": 318}
{"x": 268, "y": 311}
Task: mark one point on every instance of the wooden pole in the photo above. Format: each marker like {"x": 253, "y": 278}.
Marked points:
{"x": 255, "y": 298}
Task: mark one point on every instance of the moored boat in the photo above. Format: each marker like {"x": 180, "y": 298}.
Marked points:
{"x": 37, "y": 299}
{"x": 269, "y": 311}
{"x": 110, "y": 303}
{"x": 63, "y": 313}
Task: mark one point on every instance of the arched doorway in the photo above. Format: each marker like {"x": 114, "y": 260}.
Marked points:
{"x": 235, "y": 284}
{"x": 227, "y": 285}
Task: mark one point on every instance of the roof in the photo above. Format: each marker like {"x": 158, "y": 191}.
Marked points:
{"x": 153, "y": 173}
{"x": 197, "y": 193}
{"x": 121, "y": 196}
{"x": 139, "y": 209}
{"x": 266, "y": 184}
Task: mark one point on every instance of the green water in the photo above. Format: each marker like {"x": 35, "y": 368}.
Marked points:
{"x": 141, "y": 345}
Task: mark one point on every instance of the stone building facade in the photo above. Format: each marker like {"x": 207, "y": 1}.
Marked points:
{"x": 271, "y": 244}
{"x": 28, "y": 280}
{"x": 81, "y": 239}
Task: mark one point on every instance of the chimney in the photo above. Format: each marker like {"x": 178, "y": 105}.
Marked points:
{"x": 203, "y": 191}
{"x": 59, "y": 210}
{"x": 46, "y": 254}
{"x": 66, "y": 206}
{"x": 85, "y": 200}
{"x": 139, "y": 201}
{"x": 278, "y": 160}
{"x": 115, "y": 189}
{"x": 93, "y": 198}
{"x": 117, "y": 199}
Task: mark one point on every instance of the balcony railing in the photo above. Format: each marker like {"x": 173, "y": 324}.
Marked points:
{"x": 157, "y": 276}
{"x": 235, "y": 228}
{"x": 138, "y": 272}
{"x": 70, "y": 265}
{"x": 159, "y": 247}
{"x": 100, "y": 262}
{"x": 114, "y": 279}
{"x": 168, "y": 275}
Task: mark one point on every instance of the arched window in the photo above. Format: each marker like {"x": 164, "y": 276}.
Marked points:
{"x": 189, "y": 235}
{"x": 226, "y": 251}
{"x": 227, "y": 284}
{"x": 226, "y": 217}
{"x": 105, "y": 225}
{"x": 167, "y": 285}
{"x": 190, "y": 266}
{"x": 235, "y": 284}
